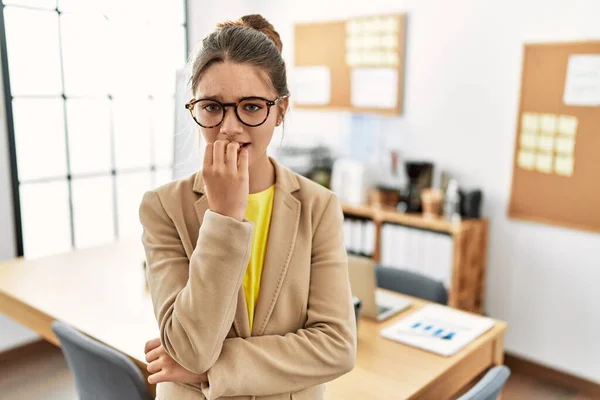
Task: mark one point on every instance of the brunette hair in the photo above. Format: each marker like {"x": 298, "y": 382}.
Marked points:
{"x": 249, "y": 40}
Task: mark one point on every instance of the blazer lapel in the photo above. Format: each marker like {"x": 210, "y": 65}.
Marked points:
{"x": 282, "y": 236}
{"x": 285, "y": 219}
{"x": 241, "y": 323}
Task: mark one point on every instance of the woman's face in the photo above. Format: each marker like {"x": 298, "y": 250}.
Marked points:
{"x": 228, "y": 83}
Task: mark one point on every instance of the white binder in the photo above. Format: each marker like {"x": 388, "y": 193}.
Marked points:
{"x": 356, "y": 236}
{"x": 348, "y": 234}
{"x": 368, "y": 239}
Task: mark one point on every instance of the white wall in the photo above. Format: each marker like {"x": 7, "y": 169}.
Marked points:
{"x": 203, "y": 16}
{"x": 462, "y": 89}
{"x": 12, "y": 334}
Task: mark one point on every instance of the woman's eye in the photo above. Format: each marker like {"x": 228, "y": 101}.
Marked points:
{"x": 252, "y": 107}
{"x": 212, "y": 107}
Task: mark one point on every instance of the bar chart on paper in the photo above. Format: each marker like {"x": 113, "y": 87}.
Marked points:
{"x": 438, "y": 329}
{"x": 433, "y": 328}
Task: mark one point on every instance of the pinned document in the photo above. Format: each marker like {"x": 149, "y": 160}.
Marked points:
{"x": 312, "y": 85}
{"x": 582, "y": 84}
{"x": 374, "y": 87}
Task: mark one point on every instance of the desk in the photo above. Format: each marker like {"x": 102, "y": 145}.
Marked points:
{"x": 101, "y": 291}
{"x": 389, "y": 370}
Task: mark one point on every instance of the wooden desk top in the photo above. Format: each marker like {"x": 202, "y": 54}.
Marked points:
{"x": 101, "y": 291}
{"x": 399, "y": 371}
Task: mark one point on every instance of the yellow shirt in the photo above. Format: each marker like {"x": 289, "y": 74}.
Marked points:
{"x": 260, "y": 207}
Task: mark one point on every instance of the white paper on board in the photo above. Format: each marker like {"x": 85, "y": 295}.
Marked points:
{"x": 374, "y": 87}
{"x": 582, "y": 86}
{"x": 312, "y": 85}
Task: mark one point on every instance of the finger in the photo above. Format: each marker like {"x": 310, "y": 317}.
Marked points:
{"x": 219, "y": 153}
{"x": 232, "y": 155}
{"x": 154, "y": 354}
{"x": 151, "y": 345}
{"x": 243, "y": 162}
{"x": 161, "y": 376}
{"x": 154, "y": 367}
{"x": 208, "y": 155}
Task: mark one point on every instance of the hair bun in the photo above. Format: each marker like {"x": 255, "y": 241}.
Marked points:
{"x": 258, "y": 22}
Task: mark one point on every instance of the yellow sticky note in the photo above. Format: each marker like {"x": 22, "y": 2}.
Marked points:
{"x": 363, "y": 42}
{"x": 367, "y": 42}
{"x": 390, "y": 41}
{"x": 370, "y": 25}
{"x": 350, "y": 43}
{"x": 392, "y": 24}
{"x": 359, "y": 27}
{"x": 545, "y": 143}
{"x": 361, "y": 58}
{"x": 548, "y": 123}
{"x": 351, "y": 27}
{"x": 376, "y": 57}
{"x": 526, "y": 159}
{"x": 565, "y": 145}
{"x": 370, "y": 57}
{"x": 388, "y": 59}
{"x": 567, "y": 125}
{"x": 564, "y": 165}
{"x": 528, "y": 140}
{"x": 352, "y": 58}
{"x": 543, "y": 163}
{"x": 530, "y": 122}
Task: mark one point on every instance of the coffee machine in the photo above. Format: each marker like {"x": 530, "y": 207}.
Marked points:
{"x": 420, "y": 176}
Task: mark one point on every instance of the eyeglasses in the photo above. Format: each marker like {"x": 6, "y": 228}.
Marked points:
{"x": 250, "y": 111}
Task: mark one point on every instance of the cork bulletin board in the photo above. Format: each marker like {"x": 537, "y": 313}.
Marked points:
{"x": 355, "y": 65}
{"x": 556, "y": 167}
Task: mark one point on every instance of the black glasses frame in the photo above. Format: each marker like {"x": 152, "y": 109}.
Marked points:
{"x": 269, "y": 103}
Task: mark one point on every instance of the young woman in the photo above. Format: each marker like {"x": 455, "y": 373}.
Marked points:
{"x": 246, "y": 261}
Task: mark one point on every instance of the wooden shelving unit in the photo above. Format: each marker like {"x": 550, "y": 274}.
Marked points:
{"x": 469, "y": 252}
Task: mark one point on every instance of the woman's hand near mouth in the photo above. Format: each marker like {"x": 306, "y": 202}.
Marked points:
{"x": 226, "y": 178}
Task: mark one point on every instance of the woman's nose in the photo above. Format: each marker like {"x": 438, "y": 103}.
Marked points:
{"x": 231, "y": 125}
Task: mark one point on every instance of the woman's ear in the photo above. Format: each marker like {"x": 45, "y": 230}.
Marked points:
{"x": 282, "y": 106}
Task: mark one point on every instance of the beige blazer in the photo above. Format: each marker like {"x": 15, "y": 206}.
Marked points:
{"x": 304, "y": 331}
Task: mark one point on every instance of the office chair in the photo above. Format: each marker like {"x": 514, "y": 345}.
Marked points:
{"x": 490, "y": 386}
{"x": 411, "y": 283}
{"x": 101, "y": 373}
